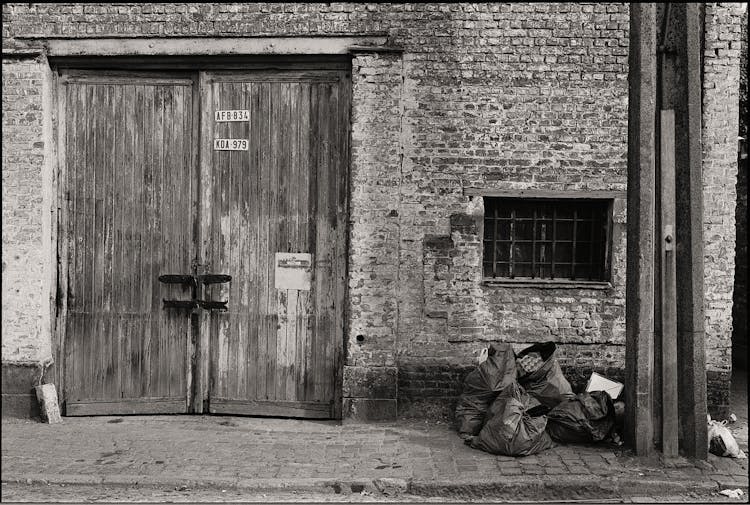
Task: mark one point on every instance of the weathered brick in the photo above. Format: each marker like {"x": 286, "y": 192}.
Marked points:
{"x": 500, "y": 96}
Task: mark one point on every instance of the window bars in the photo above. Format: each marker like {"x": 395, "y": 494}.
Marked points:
{"x": 545, "y": 238}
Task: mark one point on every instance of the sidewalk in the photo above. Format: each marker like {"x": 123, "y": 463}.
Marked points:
{"x": 386, "y": 459}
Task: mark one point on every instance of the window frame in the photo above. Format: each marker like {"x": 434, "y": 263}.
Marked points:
{"x": 572, "y": 196}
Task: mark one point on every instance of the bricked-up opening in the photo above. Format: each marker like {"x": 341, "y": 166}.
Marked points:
{"x": 563, "y": 239}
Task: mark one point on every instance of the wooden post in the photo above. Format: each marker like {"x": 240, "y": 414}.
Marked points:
{"x": 639, "y": 292}
{"x": 668, "y": 288}
{"x": 689, "y": 227}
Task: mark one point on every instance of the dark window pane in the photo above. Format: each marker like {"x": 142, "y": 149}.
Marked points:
{"x": 563, "y": 252}
{"x": 489, "y": 229}
{"x": 503, "y": 251}
{"x": 524, "y": 211}
{"x": 503, "y": 229}
{"x": 544, "y": 211}
{"x": 583, "y": 230}
{"x": 544, "y": 230}
{"x": 564, "y": 230}
{"x": 524, "y": 230}
{"x": 563, "y": 271}
{"x": 565, "y": 211}
{"x": 488, "y": 269}
{"x": 522, "y": 252}
{"x": 503, "y": 270}
{"x": 503, "y": 211}
{"x": 522, "y": 270}
{"x": 583, "y": 272}
{"x": 583, "y": 252}
{"x": 544, "y": 252}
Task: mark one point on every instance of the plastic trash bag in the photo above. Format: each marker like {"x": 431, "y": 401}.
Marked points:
{"x": 482, "y": 385}
{"x": 510, "y": 429}
{"x": 589, "y": 417}
{"x": 547, "y": 383}
{"x": 721, "y": 441}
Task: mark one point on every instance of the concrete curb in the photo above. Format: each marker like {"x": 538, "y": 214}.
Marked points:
{"x": 568, "y": 488}
{"x": 519, "y": 488}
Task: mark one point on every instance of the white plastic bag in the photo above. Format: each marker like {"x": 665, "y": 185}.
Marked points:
{"x": 721, "y": 441}
{"x": 482, "y": 355}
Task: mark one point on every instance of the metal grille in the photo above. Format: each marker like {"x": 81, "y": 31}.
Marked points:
{"x": 545, "y": 238}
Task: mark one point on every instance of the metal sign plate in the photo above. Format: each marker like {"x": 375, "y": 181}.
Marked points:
{"x": 232, "y": 115}
{"x": 230, "y": 145}
{"x": 293, "y": 271}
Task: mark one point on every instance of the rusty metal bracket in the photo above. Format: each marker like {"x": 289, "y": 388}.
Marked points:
{"x": 214, "y": 278}
{"x": 194, "y": 281}
{"x": 212, "y": 305}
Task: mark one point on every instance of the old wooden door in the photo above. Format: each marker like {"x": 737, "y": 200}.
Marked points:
{"x": 267, "y": 206}
{"x": 274, "y": 218}
{"x": 128, "y": 177}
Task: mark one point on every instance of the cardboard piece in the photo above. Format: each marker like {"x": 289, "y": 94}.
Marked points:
{"x": 600, "y": 383}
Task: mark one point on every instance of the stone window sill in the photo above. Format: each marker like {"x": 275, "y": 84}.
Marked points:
{"x": 545, "y": 283}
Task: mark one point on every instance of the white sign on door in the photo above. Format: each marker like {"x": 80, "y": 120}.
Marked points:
{"x": 232, "y": 115}
{"x": 230, "y": 145}
{"x": 293, "y": 271}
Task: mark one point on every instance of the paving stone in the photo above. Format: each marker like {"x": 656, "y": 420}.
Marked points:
{"x": 186, "y": 448}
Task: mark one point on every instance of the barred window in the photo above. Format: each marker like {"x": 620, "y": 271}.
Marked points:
{"x": 546, "y": 238}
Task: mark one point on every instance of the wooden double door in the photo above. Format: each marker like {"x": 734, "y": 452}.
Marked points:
{"x": 191, "y": 174}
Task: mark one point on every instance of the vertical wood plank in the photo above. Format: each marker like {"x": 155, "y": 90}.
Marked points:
{"x": 116, "y": 267}
{"x": 86, "y": 250}
{"x": 218, "y": 336}
{"x": 307, "y": 227}
{"x": 273, "y": 236}
{"x": 131, "y": 160}
{"x": 61, "y": 99}
{"x": 262, "y": 124}
{"x": 109, "y": 354}
{"x": 332, "y": 218}
{"x": 670, "y": 422}
{"x": 148, "y": 376}
{"x": 254, "y": 195}
{"x": 170, "y": 327}
{"x": 205, "y": 235}
{"x": 138, "y": 189}
{"x": 281, "y": 165}
{"x": 340, "y": 260}
{"x": 317, "y": 165}
{"x": 232, "y": 100}
{"x": 196, "y": 142}
{"x": 72, "y": 160}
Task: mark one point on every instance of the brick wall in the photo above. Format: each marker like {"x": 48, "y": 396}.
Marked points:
{"x": 720, "y": 130}
{"x": 739, "y": 310}
{"x": 26, "y": 249}
{"x": 25, "y": 260}
{"x": 495, "y": 96}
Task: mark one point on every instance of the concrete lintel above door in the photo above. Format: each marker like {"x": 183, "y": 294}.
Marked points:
{"x": 199, "y": 46}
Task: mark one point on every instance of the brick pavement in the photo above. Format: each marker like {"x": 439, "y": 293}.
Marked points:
{"x": 426, "y": 459}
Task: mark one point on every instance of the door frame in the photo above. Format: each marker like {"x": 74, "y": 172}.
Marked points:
{"x": 196, "y": 66}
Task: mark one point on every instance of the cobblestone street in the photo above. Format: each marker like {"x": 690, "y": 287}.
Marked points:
{"x": 256, "y": 455}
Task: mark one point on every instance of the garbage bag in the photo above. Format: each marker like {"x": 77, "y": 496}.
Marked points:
{"x": 721, "y": 441}
{"x": 547, "y": 383}
{"x": 482, "y": 385}
{"x": 510, "y": 430}
{"x": 589, "y": 417}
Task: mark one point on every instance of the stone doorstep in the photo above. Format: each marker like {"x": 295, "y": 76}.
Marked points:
{"x": 520, "y": 486}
